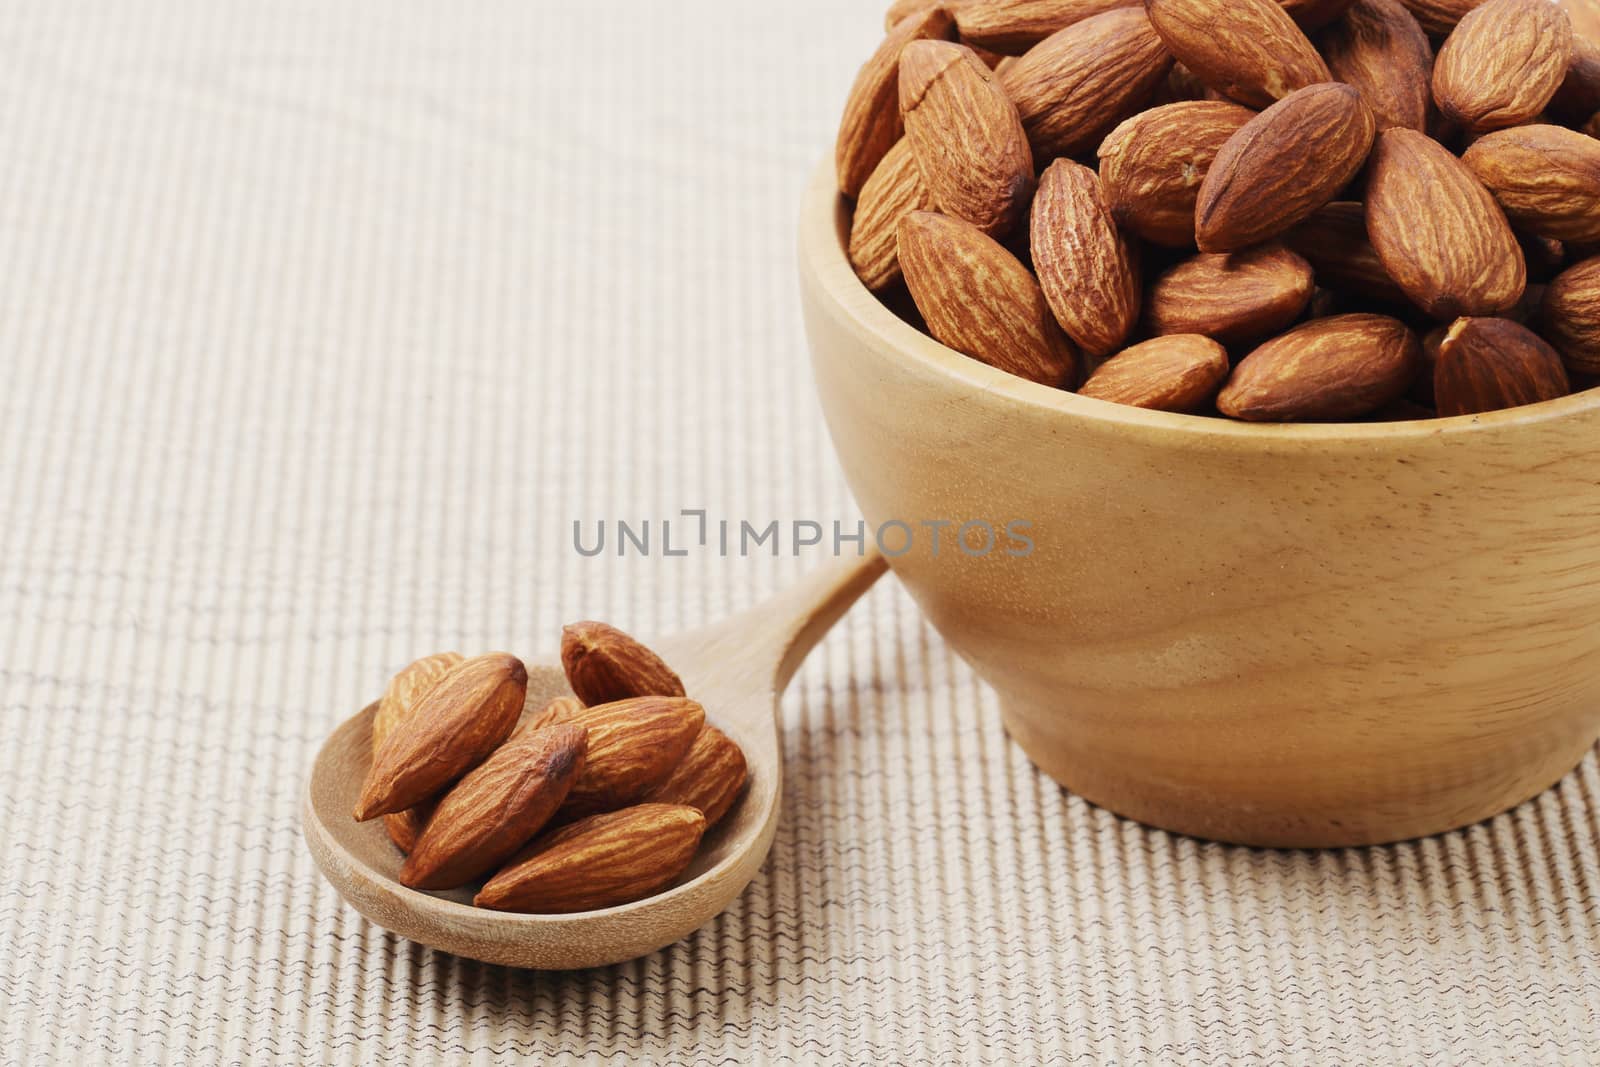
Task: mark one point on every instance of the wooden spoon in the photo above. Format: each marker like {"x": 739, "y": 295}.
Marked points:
{"x": 737, "y": 668}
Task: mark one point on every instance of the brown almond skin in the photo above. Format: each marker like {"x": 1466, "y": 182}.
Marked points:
{"x": 1545, "y": 178}
{"x": 1578, "y": 96}
{"x": 1314, "y": 14}
{"x": 1250, "y": 51}
{"x": 405, "y": 688}
{"x": 871, "y": 123}
{"x": 599, "y": 862}
{"x": 980, "y": 300}
{"x": 966, "y": 136}
{"x": 1437, "y": 230}
{"x": 497, "y": 808}
{"x": 603, "y": 665}
{"x": 710, "y": 778}
{"x": 1281, "y": 166}
{"x": 1231, "y": 297}
{"x": 455, "y": 725}
{"x": 404, "y": 827}
{"x": 557, "y": 710}
{"x": 1153, "y": 163}
{"x": 1335, "y": 368}
{"x": 1486, "y": 364}
{"x": 1180, "y": 372}
{"x": 634, "y": 745}
{"x": 1438, "y": 17}
{"x": 894, "y": 191}
{"x": 1502, "y": 64}
{"x": 1378, "y": 48}
{"x": 1084, "y": 266}
{"x": 1333, "y": 239}
{"x": 1569, "y": 316}
{"x": 901, "y": 10}
{"x": 1011, "y": 27}
{"x": 1078, "y": 83}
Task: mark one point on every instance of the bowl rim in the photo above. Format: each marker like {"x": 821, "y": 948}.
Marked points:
{"x": 823, "y": 254}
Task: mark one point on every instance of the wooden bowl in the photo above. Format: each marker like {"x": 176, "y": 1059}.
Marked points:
{"x": 1308, "y": 635}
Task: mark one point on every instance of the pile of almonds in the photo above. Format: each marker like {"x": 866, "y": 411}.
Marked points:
{"x": 591, "y": 801}
{"x": 1271, "y": 210}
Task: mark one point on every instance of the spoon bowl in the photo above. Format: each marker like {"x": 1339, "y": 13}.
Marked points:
{"x": 738, "y": 669}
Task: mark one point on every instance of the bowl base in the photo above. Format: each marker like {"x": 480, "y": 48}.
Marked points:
{"x": 1293, "y": 823}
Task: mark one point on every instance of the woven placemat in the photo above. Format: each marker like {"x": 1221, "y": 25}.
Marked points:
{"x": 320, "y": 324}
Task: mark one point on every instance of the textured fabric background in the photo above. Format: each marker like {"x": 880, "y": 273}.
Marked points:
{"x": 319, "y": 324}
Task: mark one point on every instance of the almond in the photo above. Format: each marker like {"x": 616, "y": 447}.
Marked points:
{"x": 968, "y": 141}
{"x": 603, "y": 665}
{"x": 1231, "y": 297}
{"x": 404, "y": 827}
{"x": 1438, "y": 232}
{"x": 981, "y": 301}
{"x": 1502, "y": 63}
{"x": 1314, "y": 14}
{"x": 900, "y": 10}
{"x": 1153, "y": 163}
{"x": 1084, "y": 265}
{"x": 1439, "y": 17}
{"x": 634, "y": 745}
{"x": 497, "y": 808}
{"x": 1334, "y": 241}
{"x": 1014, "y": 26}
{"x": 560, "y": 709}
{"x": 458, "y": 722}
{"x": 1546, "y": 178}
{"x": 1486, "y": 364}
{"x": 1247, "y": 50}
{"x": 1180, "y": 372}
{"x": 404, "y": 690}
{"x": 894, "y": 191}
{"x": 1282, "y": 165}
{"x": 1074, "y": 86}
{"x": 1335, "y": 368}
{"x": 1579, "y": 94}
{"x": 1569, "y": 316}
{"x": 709, "y": 778}
{"x": 599, "y": 862}
{"x": 1380, "y": 50}
{"x": 871, "y": 123}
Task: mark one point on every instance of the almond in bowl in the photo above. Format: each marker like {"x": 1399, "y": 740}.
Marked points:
{"x": 1082, "y": 199}
{"x": 1271, "y": 598}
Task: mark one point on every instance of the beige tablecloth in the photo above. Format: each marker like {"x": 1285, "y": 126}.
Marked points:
{"x": 320, "y": 324}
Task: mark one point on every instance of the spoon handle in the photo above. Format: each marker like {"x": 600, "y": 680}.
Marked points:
{"x": 800, "y": 616}
{"x": 760, "y": 649}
